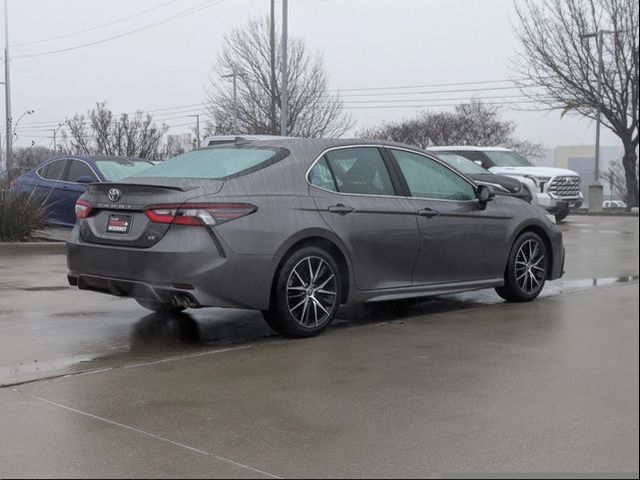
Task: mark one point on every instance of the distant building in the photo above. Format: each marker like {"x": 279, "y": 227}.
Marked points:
{"x": 180, "y": 143}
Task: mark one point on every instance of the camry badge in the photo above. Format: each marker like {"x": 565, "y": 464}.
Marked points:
{"x": 114, "y": 194}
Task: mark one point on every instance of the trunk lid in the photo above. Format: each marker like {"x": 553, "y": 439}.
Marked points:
{"x": 117, "y": 215}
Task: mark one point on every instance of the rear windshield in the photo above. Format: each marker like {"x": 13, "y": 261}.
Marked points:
{"x": 507, "y": 159}
{"x": 215, "y": 163}
{"x": 460, "y": 163}
{"x": 115, "y": 170}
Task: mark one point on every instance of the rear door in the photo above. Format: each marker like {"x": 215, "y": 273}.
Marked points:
{"x": 72, "y": 189}
{"x": 357, "y": 196}
{"x": 459, "y": 242}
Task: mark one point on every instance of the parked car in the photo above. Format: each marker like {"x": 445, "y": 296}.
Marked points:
{"x": 499, "y": 183}
{"x": 59, "y": 182}
{"x": 557, "y": 190}
{"x": 607, "y": 204}
{"x": 296, "y": 227}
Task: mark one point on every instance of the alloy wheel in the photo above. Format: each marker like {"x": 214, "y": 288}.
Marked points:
{"x": 311, "y": 291}
{"x": 531, "y": 266}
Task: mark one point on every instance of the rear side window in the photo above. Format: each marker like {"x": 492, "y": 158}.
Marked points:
{"x": 321, "y": 176}
{"x": 79, "y": 169}
{"x": 53, "y": 171}
{"x": 215, "y": 163}
{"x": 360, "y": 170}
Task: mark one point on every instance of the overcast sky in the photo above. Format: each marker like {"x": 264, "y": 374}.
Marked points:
{"x": 365, "y": 44}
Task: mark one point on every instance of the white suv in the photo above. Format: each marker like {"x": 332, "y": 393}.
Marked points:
{"x": 557, "y": 190}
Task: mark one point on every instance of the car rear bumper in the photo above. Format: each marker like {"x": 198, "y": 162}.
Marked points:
{"x": 186, "y": 264}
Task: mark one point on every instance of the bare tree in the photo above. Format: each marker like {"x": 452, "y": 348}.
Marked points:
{"x": 104, "y": 134}
{"x": 555, "y": 58}
{"x": 313, "y": 111}
{"x": 617, "y": 182}
{"x": 26, "y": 158}
{"x": 473, "y": 123}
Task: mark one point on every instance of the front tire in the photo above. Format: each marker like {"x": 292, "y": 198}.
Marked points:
{"x": 527, "y": 269}
{"x": 561, "y": 215}
{"x": 158, "y": 307}
{"x": 306, "y": 294}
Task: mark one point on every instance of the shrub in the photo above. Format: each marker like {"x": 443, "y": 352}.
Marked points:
{"x": 20, "y": 214}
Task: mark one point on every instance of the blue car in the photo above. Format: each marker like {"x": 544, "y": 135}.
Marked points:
{"x": 60, "y": 181}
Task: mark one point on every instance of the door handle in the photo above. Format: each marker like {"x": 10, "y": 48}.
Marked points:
{"x": 340, "y": 209}
{"x": 428, "y": 213}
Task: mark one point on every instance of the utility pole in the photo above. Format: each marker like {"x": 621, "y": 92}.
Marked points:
{"x": 273, "y": 66}
{"x": 7, "y": 88}
{"x": 55, "y": 132}
{"x": 234, "y": 76}
{"x": 197, "y": 117}
{"x": 284, "y": 97}
{"x": 599, "y": 36}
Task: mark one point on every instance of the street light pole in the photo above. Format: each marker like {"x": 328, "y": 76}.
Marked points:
{"x": 235, "y": 99}
{"x": 7, "y": 88}
{"x": 272, "y": 48}
{"x": 284, "y": 98}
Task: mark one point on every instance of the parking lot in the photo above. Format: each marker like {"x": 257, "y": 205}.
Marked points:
{"x": 96, "y": 386}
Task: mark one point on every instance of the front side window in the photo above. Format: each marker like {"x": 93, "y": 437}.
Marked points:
{"x": 79, "y": 169}
{"x": 215, "y": 163}
{"x": 360, "y": 170}
{"x": 426, "y": 178}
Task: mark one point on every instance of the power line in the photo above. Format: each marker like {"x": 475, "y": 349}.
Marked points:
{"x": 184, "y": 13}
{"x": 429, "y": 92}
{"x": 481, "y": 82}
{"x": 97, "y": 27}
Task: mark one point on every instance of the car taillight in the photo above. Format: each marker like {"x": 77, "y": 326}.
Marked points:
{"x": 198, "y": 214}
{"x": 83, "y": 209}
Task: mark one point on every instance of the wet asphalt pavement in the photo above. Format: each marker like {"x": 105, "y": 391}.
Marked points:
{"x": 95, "y": 386}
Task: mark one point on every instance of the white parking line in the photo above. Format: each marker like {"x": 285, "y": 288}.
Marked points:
{"x": 148, "y": 434}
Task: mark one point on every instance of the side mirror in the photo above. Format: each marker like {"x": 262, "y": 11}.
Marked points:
{"x": 85, "y": 179}
{"x": 484, "y": 194}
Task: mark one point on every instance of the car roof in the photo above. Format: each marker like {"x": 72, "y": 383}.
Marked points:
{"x": 467, "y": 148}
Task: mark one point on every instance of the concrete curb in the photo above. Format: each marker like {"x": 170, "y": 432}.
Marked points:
{"x": 32, "y": 248}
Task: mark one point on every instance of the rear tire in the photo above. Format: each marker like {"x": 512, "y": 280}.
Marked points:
{"x": 158, "y": 307}
{"x": 306, "y": 294}
{"x": 527, "y": 269}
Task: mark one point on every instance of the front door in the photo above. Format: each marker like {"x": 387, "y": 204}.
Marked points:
{"x": 459, "y": 242}
{"x": 356, "y": 196}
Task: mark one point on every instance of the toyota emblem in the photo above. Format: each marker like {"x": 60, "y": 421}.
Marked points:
{"x": 114, "y": 194}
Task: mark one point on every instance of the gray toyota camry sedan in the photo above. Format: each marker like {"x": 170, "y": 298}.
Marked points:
{"x": 297, "y": 227}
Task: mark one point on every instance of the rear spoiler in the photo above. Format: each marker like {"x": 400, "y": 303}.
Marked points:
{"x": 143, "y": 185}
